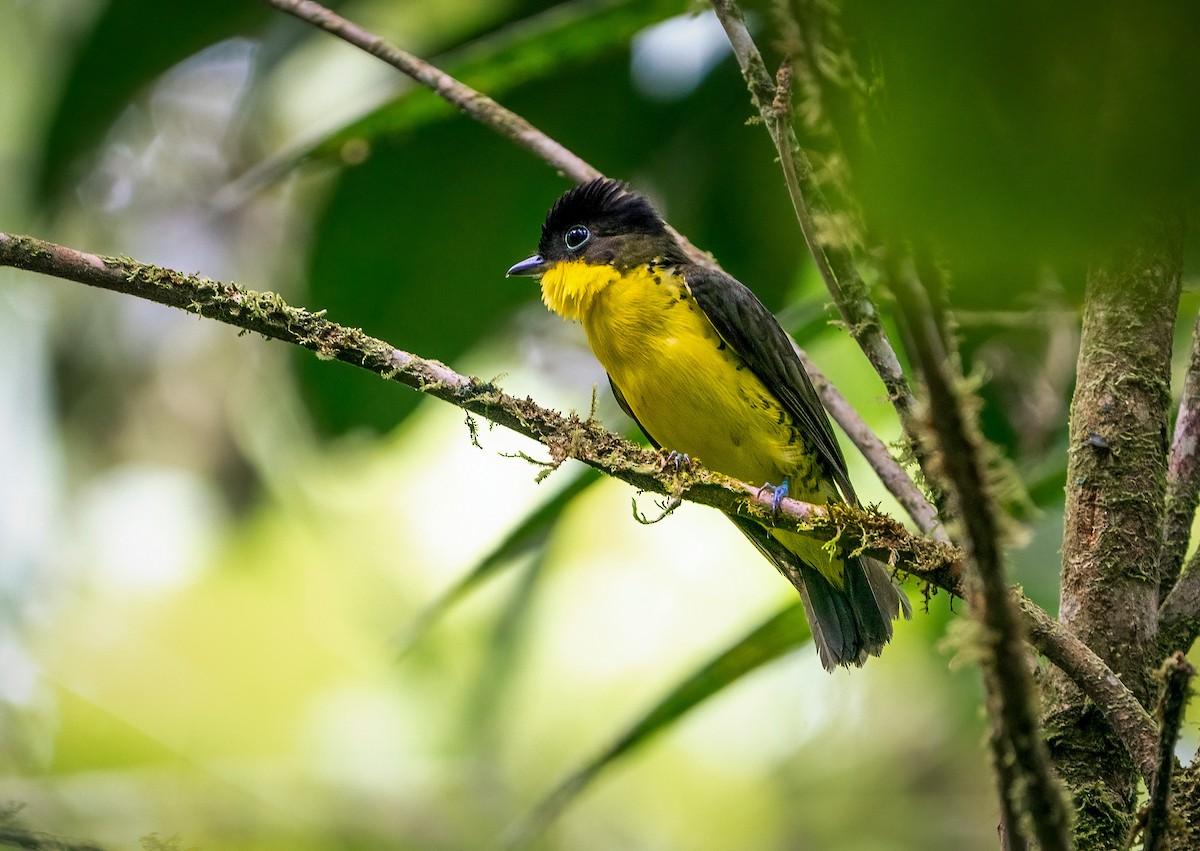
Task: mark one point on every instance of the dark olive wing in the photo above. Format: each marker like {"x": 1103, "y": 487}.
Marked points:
{"x": 746, "y": 325}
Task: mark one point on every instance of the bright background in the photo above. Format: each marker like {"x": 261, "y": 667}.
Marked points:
{"x": 215, "y": 551}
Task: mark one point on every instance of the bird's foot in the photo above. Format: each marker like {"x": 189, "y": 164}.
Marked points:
{"x": 778, "y": 493}
{"x": 676, "y": 460}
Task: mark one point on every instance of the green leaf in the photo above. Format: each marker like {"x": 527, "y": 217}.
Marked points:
{"x": 132, "y": 43}
{"x": 782, "y": 632}
{"x": 1016, "y": 136}
{"x": 528, "y": 536}
{"x": 564, "y": 35}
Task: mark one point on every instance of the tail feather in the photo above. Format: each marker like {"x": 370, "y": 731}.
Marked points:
{"x": 831, "y": 619}
{"x": 848, "y": 623}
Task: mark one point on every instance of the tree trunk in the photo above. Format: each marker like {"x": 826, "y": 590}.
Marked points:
{"x": 1114, "y": 513}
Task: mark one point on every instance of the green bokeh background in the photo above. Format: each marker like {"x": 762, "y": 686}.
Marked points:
{"x": 218, "y": 556}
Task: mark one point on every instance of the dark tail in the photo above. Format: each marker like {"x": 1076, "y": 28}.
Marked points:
{"x": 855, "y": 621}
{"x": 848, "y": 623}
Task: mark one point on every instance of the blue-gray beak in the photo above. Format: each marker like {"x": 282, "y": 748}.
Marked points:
{"x": 534, "y": 265}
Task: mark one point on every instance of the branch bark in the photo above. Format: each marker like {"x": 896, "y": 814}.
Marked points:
{"x": 1183, "y": 474}
{"x": 1114, "y": 512}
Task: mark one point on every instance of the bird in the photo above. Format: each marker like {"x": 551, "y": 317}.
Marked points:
{"x": 707, "y": 373}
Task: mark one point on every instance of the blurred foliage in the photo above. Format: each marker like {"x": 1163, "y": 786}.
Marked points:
{"x": 1018, "y": 137}
{"x": 127, "y": 47}
{"x": 264, "y": 601}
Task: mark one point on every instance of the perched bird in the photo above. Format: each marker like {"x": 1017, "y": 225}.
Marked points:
{"x": 705, "y": 370}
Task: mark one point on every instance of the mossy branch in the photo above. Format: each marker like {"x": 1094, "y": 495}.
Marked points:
{"x": 1025, "y": 774}
{"x": 568, "y": 436}
{"x": 1176, "y": 673}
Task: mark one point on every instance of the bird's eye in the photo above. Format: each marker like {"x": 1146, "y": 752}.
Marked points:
{"x": 576, "y": 237}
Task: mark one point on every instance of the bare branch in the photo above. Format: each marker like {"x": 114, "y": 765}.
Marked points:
{"x": 1183, "y": 474}
{"x": 898, "y": 482}
{"x": 834, "y": 263}
{"x": 475, "y": 104}
{"x": 472, "y": 102}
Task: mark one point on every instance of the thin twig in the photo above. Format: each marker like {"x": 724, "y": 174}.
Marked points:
{"x": 1176, "y": 672}
{"x": 834, "y": 263}
{"x": 898, "y": 482}
{"x": 475, "y": 104}
{"x": 1183, "y": 474}
{"x": 571, "y": 436}
{"x": 512, "y": 126}
{"x": 1006, "y": 675}
{"x": 1010, "y": 829}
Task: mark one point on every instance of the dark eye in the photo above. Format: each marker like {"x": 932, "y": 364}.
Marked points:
{"x": 577, "y": 236}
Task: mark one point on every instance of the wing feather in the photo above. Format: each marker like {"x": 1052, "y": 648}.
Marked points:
{"x": 747, "y": 327}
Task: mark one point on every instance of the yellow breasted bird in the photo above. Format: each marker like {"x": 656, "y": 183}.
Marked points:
{"x": 705, "y": 370}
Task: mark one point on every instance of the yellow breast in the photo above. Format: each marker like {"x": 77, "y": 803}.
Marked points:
{"x": 687, "y": 388}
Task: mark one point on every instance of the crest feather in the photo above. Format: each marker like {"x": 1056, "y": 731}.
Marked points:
{"x": 606, "y": 206}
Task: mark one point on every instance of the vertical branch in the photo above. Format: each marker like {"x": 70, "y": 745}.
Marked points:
{"x": 1176, "y": 672}
{"x": 1183, "y": 474}
{"x": 1117, "y": 467}
{"x": 1015, "y": 735}
{"x": 1113, "y": 520}
{"x": 1012, "y": 837}
{"x": 835, "y": 264}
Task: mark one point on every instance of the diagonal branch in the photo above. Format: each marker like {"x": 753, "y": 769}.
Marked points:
{"x": 1017, "y": 735}
{"x": 515, "y": 128}
{"x": 835, "y": 264}
{"x": 571, "y": 437}
{"x": 893, "y": 476}
{"x": 475, "y": 104}
{"x": 566, "y": 437}
{"x": 1132, "y": 723}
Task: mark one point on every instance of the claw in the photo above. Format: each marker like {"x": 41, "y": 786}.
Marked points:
{"x": 778, "y": 493}
{"x": 678, "y": 460}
